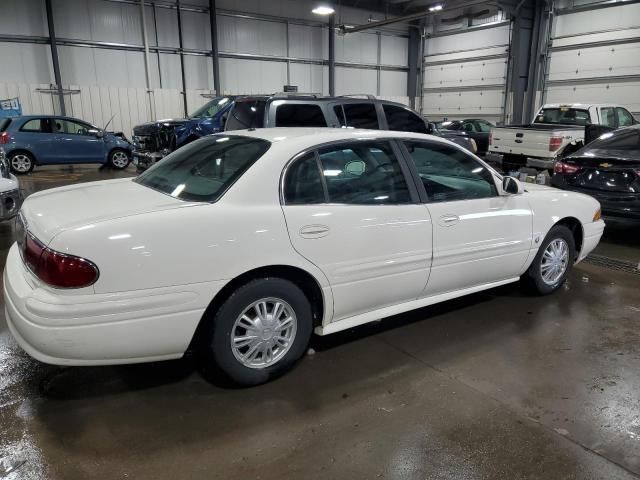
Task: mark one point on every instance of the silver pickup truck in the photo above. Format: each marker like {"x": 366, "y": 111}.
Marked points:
{"x": 556, "y": 130}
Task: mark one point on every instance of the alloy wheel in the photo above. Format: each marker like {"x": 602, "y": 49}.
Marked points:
{"x": 555, "y": 261}
{"x": 21, "y": 163}
{"x": 119, "y": 159}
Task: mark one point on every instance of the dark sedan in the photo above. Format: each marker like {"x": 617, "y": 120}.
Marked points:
{"x": 475, "y": 128}
{"x": 608, "y": 169}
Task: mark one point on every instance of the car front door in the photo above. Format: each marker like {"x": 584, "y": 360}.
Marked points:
{"x": 75, "y": 143}
{"x": 479, "y": 237}
{"x": 351, "y": 211}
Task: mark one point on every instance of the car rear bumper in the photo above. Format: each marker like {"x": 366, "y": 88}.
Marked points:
{"x": 613, "y": 204}
{"x": 96, "y": 329}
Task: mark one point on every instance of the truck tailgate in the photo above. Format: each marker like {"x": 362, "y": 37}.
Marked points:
{"x": 521, "y": 141}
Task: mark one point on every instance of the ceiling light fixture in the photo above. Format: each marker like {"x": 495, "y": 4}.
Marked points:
{"x": 435, "y": 8}
{"x": 323, "y": 10}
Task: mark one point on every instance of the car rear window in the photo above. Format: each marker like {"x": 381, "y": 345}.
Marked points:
{"x": 4, "y": 124}
{"x": 299, "y": 115}
{"x": 563, "y": 116}
{"x": 203, "y": 170}
{"x": 624, "y": 139}
{"x": 246, "y": 114}
{"x": 404, "y": 120}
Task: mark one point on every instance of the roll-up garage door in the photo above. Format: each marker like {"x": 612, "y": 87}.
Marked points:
{"x": 465, "y": 74}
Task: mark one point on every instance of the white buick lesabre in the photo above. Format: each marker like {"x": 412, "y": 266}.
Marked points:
{"x": 240, "y": 245}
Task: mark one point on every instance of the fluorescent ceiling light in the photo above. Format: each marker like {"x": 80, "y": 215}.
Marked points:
{"x": 323, "y": 10}
{"x": 435, "y": 8}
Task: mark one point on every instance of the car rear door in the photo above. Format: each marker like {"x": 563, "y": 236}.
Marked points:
{"x": 35, "y": 136}
{"x": 479, "y": 237}
{"x": 352, "y": 211}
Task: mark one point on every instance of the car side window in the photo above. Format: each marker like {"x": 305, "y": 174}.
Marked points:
{"x": 624, "y": 117}
{"x": 482, "y": 126}
{"x": 70, "y": 127}
{"x": 607, "y": 116}
{"x": 469, "y": 127}
{"x": 35, "y": 125}
{"x": 357, "y": 115}
{"x": 303, "y": 182}
{"x": 299, "y": 115}
{"x": 449, "y": 174}
{"x": 363, "y": 173}
{"x": 403, "y": 120}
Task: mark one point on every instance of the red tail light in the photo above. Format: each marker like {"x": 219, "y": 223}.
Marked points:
{"x": 4, "y": 138}
{"x": 565, "y": 168}
{"x": 555, "y": 143}
{"x": 58, "y": 269}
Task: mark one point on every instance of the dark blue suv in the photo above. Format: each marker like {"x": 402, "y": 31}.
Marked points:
{"x": 49, "y": 140}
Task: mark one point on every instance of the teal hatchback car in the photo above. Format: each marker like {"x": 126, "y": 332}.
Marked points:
{"x": 51, "y": 140}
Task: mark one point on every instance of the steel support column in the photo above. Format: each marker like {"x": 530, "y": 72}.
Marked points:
{"x": 184, "y": 80}
{"x": 214, "y": 46}
{"x": 519, "y": 52}
{"x": 54, "y": 57}
{"x": 412, "y": 61}
{"x": 332, "y": 55}
{"x": 147, "y": 68}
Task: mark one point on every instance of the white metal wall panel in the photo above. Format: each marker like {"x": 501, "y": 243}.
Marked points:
{"x": 198, "y": 72}
{"x": 167, "y": 22}
{"x": 25, "y": 63}
{"x": 310, "y": 78}
{"x": 595, "y": 57}
{"x": 394, "y": 50}
{"x": 485, "y": 38}
{"x": 196, "y": 30}
{"x": 466, "y": 74}
{"x": 393, "y": 83}
{"x": 31, "y": 99}
{"x": 23, "y": 17}
{"x": 481, "y": 104}
{"x": 355, "y": 80}
{"x": 252, "y": 76}
{"x": 195, "y": 99}
{"x": 170, "y": 70}
{"x": 308, "y": 42}
{"x": 244, "y": 35}
{"x": 357, "y": 47}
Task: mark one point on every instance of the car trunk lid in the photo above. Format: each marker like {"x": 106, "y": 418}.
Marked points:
{"x": 604, "y": 173}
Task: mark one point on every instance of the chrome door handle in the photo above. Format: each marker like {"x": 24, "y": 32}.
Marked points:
{"x": 314, "y": 231}
{"x": 448, "y": 220}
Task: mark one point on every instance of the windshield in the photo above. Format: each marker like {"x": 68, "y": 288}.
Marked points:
{"x": 246, "y": 114}
{"x": 211, "y": 108}
{"x": 203, "y": 170}
{"x": 563, "y": 116}
{"x": 625, "y": 139}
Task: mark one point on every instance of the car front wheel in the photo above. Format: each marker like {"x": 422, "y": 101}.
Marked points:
{"x": 119, "y": 159}
{"x": 553, "y": 262}
{"x": 259, "y": 332}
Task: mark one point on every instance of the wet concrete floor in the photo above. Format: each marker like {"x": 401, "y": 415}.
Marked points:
{"x": 498, "y": 385}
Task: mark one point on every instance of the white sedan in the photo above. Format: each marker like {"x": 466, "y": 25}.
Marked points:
{"x": 241, "y": 245}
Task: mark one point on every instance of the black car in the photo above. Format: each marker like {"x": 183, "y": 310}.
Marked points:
{"x": 475, "y": 128}
{"x": 349, "y": 111}
{"x": 608, "y": 169}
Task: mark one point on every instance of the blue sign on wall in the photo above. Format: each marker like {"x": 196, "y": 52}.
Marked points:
{"x": 10, "y": 108}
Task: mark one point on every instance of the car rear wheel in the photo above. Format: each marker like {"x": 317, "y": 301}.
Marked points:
{"x": 119, "y": 159}
{"x": 553, "y": 262}
{"x": 21, "y": 162}
{"x": 258, "y": 333}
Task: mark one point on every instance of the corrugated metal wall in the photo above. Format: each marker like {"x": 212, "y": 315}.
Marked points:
{"x": 465, "y": 73}
{"x": 595, "y": 57}
{"x": 100, "y": 50}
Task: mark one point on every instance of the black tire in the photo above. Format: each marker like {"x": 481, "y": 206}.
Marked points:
{"x": 215, "y": 352}
{"x": 19, "y": 158}
{"x": 533, "y": 278}
{"x": 116, "y": 159}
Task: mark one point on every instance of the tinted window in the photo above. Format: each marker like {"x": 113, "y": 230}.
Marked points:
{"x": 404, "y": 120}
{"x": 364, "y": 173}
{"x": 469, "y": 127}
{"x": 303, "y": 184}
{"x": 449, "y": 174}
{"x": 483, "y": 126}
{"x": 4, "y": 123}
{"x": 563, "y": 116}
{"x": 450, "y": 125}
{"x": 300, "y": 115}
{"x": 69, "y": 127}
{"x": 624, "y": 117}
{"x": 608, "y": 117}
{"x": 357, "y": 115}
{"x": 627, "y": 139}
{"x": 246, "y": 114}
{"x": 35, "y": 125}
{"x": 202, "y": 171}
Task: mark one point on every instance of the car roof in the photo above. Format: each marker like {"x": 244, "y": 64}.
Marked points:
{"x": 311, "y": 98}
{"x": 579, "y": 105}
{"x": 29, "y": 117}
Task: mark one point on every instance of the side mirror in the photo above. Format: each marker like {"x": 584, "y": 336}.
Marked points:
{"x": 511, "y": 186}
{"x": 96, "y": 132}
